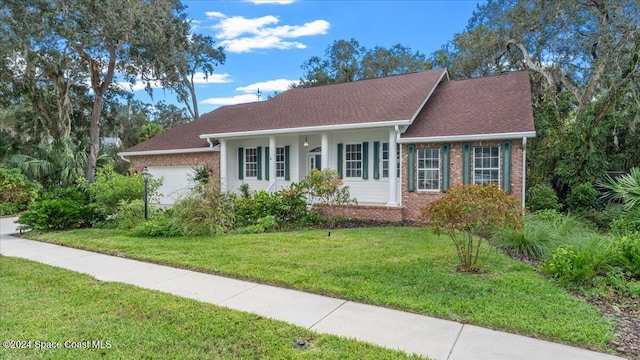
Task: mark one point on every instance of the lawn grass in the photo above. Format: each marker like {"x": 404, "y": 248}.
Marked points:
{"x": 399, "y": 267}
{"x": 44, "y": 304}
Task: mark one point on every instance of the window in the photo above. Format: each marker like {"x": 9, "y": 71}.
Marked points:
{"x": 353, "y": 157}
{"x": 280, "y": 162}
{"x": 486, "y": 165}
{"x": 251, "y": 163}
{"x": 429, "y": 169}
{"x": 385, "y": 160}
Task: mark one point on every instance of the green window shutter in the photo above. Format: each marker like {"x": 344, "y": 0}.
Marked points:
{"x": 240, "y": 163}
{"x": 266, "y": 163}
{"x": 466, "y": 163}
{"x": 445, "y": 167}
{"x": 365, "y": 160}
{"x": 259, "y": 160}
{"x": 506, "y": 166}
{"x": 411, "y": 180}
{"x": 340, "y": 155}
{"x": 376, "y": 160}
{"x": 287, "y": 168}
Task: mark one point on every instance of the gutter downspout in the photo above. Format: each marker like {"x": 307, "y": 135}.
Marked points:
{"x": 125, "y": 159}
{"x": 210, "y": 142}
{"x": 524, "y": 170}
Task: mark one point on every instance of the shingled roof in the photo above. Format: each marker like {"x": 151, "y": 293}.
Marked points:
{"x": 497, "y": 104}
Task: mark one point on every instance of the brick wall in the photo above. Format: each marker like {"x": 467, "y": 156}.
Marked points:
{"x": 365, "y": 212}
{"x": 414, "y": 201}
{"x": 209, "y": 159}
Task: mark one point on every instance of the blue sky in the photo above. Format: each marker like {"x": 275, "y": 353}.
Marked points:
{"x": 266, "y": 41}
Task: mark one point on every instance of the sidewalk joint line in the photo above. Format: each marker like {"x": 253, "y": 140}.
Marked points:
{"x": 455, "y": 342}
{"x": 255, "y": 285}
{"x": 330, "y": 312}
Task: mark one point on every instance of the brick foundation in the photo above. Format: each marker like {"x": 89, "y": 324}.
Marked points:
{"x": 363, "y": 212}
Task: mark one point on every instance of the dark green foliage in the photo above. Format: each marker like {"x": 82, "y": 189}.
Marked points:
{"x": 71, "y": 193}
{"x": 542, "y": 197}
{"x": 583, "y": 197}
{"x": 625, "y": 188}
{"x": 16, "y": 191}
{"x": 265, "y": 224}
{"x": 629, "y": 247}
{"x": 200, "y": 175}
{"x": 604, "y": 218}
{"x": 627, "y": 224}
{"x": 286, "y": 207}
{"x": 59, "y": 215}
{"x": 531, "y": 242}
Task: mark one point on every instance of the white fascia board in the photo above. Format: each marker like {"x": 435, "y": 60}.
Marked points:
{"x": 475, "y": 137}
{"x": 445, "y": 72}
{"x": 307, "y": 129}
{"x": 169, "y": 152}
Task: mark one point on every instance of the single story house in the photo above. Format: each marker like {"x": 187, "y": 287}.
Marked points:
{"x": 398, "y": 142}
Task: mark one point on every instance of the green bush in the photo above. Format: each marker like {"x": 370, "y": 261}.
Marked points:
{"x": 583, "y": 198}
{"x": 16, "y": 191}
{"x": 603, "y": 219}
{"x": 542, "y": 197}
{"x": 471, "y": 213}
{"x": 162, "y": 226}
{"x": 109, "y": 188}
{"x": 581, "y": 261}
{"x": 628, "y": 223}
{"x": 531, "y": 242}
{"x": 72, "y": 193}
{"x": 205, "y": 211}
{"x": 265, "y": 224}
{"x": 288, "y": 207}
{"x": 59, "y": 215}
{"x": 326, "y": 187}
{"x": 629, "y": 247}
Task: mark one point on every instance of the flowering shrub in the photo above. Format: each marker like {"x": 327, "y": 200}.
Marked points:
{"x": 471, "y": 213}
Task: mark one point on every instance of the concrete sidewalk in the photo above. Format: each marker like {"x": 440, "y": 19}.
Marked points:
{"x": 411, "y": 333}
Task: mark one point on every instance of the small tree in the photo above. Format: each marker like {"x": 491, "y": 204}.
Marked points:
{"x": 469, "y": 214}
{"x": 327, "y": 187}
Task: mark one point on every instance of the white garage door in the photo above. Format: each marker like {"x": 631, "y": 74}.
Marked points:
{"x": 175, "y": 183}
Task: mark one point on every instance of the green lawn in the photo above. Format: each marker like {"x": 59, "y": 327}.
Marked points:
{"x": 47, "y": 305}
{"x": 404, "y": 268}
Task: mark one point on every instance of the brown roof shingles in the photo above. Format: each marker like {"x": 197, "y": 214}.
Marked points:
{"x": 489, "y": 105}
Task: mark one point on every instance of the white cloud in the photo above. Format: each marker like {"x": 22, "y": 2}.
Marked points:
{"x": 198, "y": 78}
{"x": 238, "y": 99}
{"x": 240, "y": 34}
{"x": 268, "y": 86}
{"x": 214, "y": 14}
{"x": 279, "y": 2}
{"x": 138, "y": 85}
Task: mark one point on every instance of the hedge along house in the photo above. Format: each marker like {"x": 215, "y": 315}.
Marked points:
{"x": 398, "y": 142}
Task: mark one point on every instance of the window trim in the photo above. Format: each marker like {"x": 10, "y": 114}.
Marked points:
{"x": 246, "y": 163}
{"x": 383, "y": 160}
{"x": 283, "y": 162}
{"x": 438, "y": 169}
{"x": 498, "y": 166}
{"x": 347, "y": 169}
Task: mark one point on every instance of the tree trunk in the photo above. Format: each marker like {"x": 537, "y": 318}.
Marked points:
{"x": 94, "y": 144}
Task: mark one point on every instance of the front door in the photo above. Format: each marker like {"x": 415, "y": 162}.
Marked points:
{"x": 314, "y": 162}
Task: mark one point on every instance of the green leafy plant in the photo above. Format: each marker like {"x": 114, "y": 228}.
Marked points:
{"x": 288, "y": 207}
{"x": 581, "y": 260}
{"x": 200, "y": 175}
{"x": 161, "y": 226}
{"x": 542, "y": 197}
{"x": 583, "y": 197}
{"x": 627, "y": 224}
{"x": 59, "y": 215}
{"x": 470, "y": 213}
{"x": 625, "y": 188}
{"x": 16, "y": 191}
{"x": 205, "y": 211}
{"x": 326, "y": 187}
{"x": 629, "y": 247}
{"x": 109, "y": 188}
{"x": 531, "y": 241}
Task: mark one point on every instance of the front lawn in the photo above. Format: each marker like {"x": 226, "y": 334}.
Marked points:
{"x": 404, "y": 268}
{"x": 88, "y": 319}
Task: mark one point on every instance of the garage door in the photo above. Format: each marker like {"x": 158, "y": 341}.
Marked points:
{"x": 175, "y": 183}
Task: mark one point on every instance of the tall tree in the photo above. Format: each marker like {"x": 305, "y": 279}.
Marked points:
{"x": 347, "y": 61}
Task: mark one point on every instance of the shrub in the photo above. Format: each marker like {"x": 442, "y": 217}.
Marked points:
{"x": 287, "y": 207}
{"x": 629, "y": 247}
{"x": 542, "y": 197}
{"x": 130, "y": 214}
{"x": 16, "y": 191}
{"x": 162, "y": 226}
{"x": 625, "y": 188}
{"x": 582, "y": 260}
{"x": 72, "y": 193}
{"x": 59, "y": 215}
{"x": 471, "y": 213}
{"x": 264, "y": 224}
{"x": 603, "y": 219}
{"x": 109, "y": 188}
{"x": 583, "y": 198}
{"x": 627, "y": 224}
{"x": 205, "y": 211}
{"x": 325, "y": 186}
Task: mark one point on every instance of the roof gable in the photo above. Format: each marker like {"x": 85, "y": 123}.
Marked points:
{"x": 489, "y": 105}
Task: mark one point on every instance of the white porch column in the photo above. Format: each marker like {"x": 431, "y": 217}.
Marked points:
{"x": 324, "y": 158}
{"x": 393, "y": 165}
{"x": 223, "y": 165}
{"x": 272, "y": 162}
